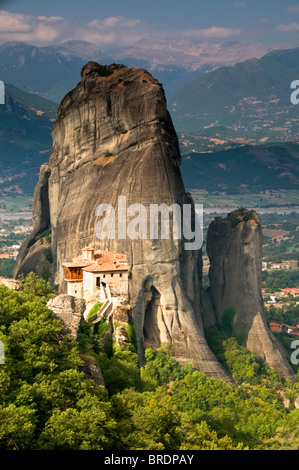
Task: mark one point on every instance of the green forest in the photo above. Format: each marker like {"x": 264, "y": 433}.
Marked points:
{"x": 47, "y": 402}
{"x": 280, "y": 279}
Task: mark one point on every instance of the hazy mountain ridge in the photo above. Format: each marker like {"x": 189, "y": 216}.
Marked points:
{"x": 39, "y": 70}
{"x": 193, "y": 55}
{"x": 253, "y": 95}
{"x": 25, "y": 138}
{"x": 52, "y": 71}
{"x": 26, "y": 121}
{"x": 25, "y": 143}
{"x": 250, "y": 168}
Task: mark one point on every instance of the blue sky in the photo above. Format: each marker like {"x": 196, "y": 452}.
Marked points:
{"x": 124, "y": 22}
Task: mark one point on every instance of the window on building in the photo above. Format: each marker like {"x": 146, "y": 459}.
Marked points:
{"x": 120, "y": 274}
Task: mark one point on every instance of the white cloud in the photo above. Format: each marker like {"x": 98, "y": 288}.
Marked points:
{"x": 13, "y": 23}
{"x": 19, "y": 27}
{"x": 107, "y": 33}
{"x": 114, "y": 30}
{"x": 50, "y": 18}
{"x": 240, "y": 4}
{"x": 293, "y": 9}
{"x": 216, "y": 32}
{"x": 264, "y": 21}
{"x": 288, "y": 28}
{"x": 220, "y": 32}
{"x": 41, "y": 30}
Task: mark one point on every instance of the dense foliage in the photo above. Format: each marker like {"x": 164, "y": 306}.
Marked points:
{"x": 283, "y": 248}
{"x": 287, "y": 314}
{"x": 6, "y": 267}
{"x": 46, "y": 401}
{"x": 280, "y": 279}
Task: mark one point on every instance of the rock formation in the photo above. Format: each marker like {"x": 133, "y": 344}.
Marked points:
{"x": 114, "y": 137}
{"x": 32, "y": 253}
{"x": 234, "y": 247}
{"x": 10, "y": 283}
{"x": 92, "y": 370}
{"x": 70, "y": 310}
{"x": 121, "y": 337}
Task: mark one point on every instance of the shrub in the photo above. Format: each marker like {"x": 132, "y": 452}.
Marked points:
{"x": 92, "y": 315}
{"x": 45, "y": 236}
{"x": 108, "y": 154}
{"x": 103, "y": 71}
{"x": 227, "y": 319}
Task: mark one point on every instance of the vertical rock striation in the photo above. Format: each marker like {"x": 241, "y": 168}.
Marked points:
{"x": 114, "y": 137}
{"x": 234, "y": 247}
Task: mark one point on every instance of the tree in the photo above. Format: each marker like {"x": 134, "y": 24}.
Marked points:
{"x": 89, "y": 426}
{"x": 17, "y": 427}
{"x": 36, "y": 286}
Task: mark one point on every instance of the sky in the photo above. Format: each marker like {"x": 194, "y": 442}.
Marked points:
{"x": 115, "y": 23}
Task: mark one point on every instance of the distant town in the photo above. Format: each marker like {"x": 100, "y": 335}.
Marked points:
{"x": 8, "y": 234}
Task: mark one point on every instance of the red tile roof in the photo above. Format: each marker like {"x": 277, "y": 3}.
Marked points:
{"x": 294, "y": 290}
{"x": 103, "y": 261}
{"x": 76, "y": 264}
{"x": 275, "y": 326}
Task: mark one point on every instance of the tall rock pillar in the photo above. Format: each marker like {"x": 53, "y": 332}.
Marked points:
{"x": 113, "y": 138}
{"x": 234, "y": 247}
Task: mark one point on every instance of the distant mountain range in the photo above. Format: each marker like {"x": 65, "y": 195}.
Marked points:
{"x": 247, "y": 169}
{"x": 39, "y": 70}
{"x": 52, "y": 71}
{"x": 193, "y": 54}
{"x": 252, "y": 95}
{"x": 26, "y": 121}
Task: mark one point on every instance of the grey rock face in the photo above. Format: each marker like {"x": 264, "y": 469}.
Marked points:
{"x": 121, "y": 337}
{"x": 10, "y": 283}
{"x": 70, "y": 310}
{"x": 121, "y": 315}
{"x": 32, "y": 253}
{"x": 234, "y": 247}
{"x": 92, "y": 370}
{"x": 114, "y": 137}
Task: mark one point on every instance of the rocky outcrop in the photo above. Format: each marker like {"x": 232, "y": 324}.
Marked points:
{"x": 92, "y": 370}
{"x": 10, "y": 283}
{"x": 121, "y": 337}
{"x": 234, "y": 247}
{"x": 114, "y": 137}
{"x": 70, "y": 310}
{"x": 121, "y": 314}
{"x": 32, "y": 255}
